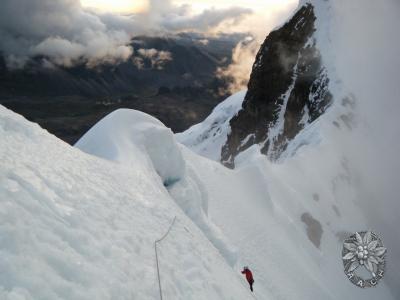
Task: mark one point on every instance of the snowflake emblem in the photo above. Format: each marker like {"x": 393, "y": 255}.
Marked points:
{"x": 364, "y": 249}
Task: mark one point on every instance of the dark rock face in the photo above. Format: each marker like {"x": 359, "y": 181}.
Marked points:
{"x": 288, "y": 88}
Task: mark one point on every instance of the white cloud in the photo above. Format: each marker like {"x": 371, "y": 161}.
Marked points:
{"x": 239, "y": 70}
{"x": 157, "y": 58}
{"x": 204, "y": 21}
{"x": 367, "y": 48}
{"x": 258, "y": 25}
{"x": 67, "y": 33}
{"x": 61, "y": 30}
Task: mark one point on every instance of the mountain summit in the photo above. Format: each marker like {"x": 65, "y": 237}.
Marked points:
{"x": 288, "y": 88}
{"x": 292, "y": 84}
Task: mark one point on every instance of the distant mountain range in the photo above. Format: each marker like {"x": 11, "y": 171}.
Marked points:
{"x": 172, "y": 78}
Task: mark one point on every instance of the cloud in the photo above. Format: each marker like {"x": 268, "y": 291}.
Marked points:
{"x": 258, "y": 27}
{"x": 204, "y": 21}
{"x": 203, "y": 42}
{"x": 61, "y": 30}
{"x": 163, "y": 15}
{"x": 157, "y": 59}
{"x": 239, "y": 71}
{"x": 367, "y": 49}
{"x": 66, "y": 33}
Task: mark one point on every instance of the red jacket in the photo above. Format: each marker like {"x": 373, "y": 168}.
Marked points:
{"x": 249, "y": 275}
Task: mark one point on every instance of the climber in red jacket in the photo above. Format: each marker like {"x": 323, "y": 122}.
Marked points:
{"x": 249, "y": 276}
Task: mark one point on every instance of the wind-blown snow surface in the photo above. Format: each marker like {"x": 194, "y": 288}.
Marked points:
{"x": 76, "y": 226}
{"x": 359, "y": 47}
{"x": 128, "y": 137}
{"x": 288, "y": 222}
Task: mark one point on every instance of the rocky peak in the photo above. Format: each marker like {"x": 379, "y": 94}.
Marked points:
{"x": 287, "y": 90}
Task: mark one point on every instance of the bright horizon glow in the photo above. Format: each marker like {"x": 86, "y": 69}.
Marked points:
{"x": 256, "y": 5}
{"x": 129, "y": 6}
{"x": 117, "y": 6}
{"x": 267, "y": 14}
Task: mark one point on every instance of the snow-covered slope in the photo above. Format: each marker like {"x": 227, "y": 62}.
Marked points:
{"x": 334, "y": 174}
{"x": 208, "y": 137}
{"x": 79, "y": 226}
{"x": 76, "y": 226}
{"x": 143, "y": 143}
{"x": 288, "y": 227}
{"x": 287, "y": 222}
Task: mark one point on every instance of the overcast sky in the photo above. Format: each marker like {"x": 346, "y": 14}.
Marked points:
{"x": 265, "y": 13}
{"x": 98, "y": 31}
{"x": 198, "y": 5}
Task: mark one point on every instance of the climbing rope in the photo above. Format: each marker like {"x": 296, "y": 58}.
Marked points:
{"x": 247, "y": 288}
{"x": 158, "y": 264}
{"x": 155, "y": 249}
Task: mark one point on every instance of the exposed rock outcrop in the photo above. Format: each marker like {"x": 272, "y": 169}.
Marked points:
{"x": 288, "y": 89}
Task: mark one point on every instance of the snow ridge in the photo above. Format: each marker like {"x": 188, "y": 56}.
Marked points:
{"x": 208, "y": 137}
{"x": 76, "y": 226}
{"x": 131, "y": 137}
